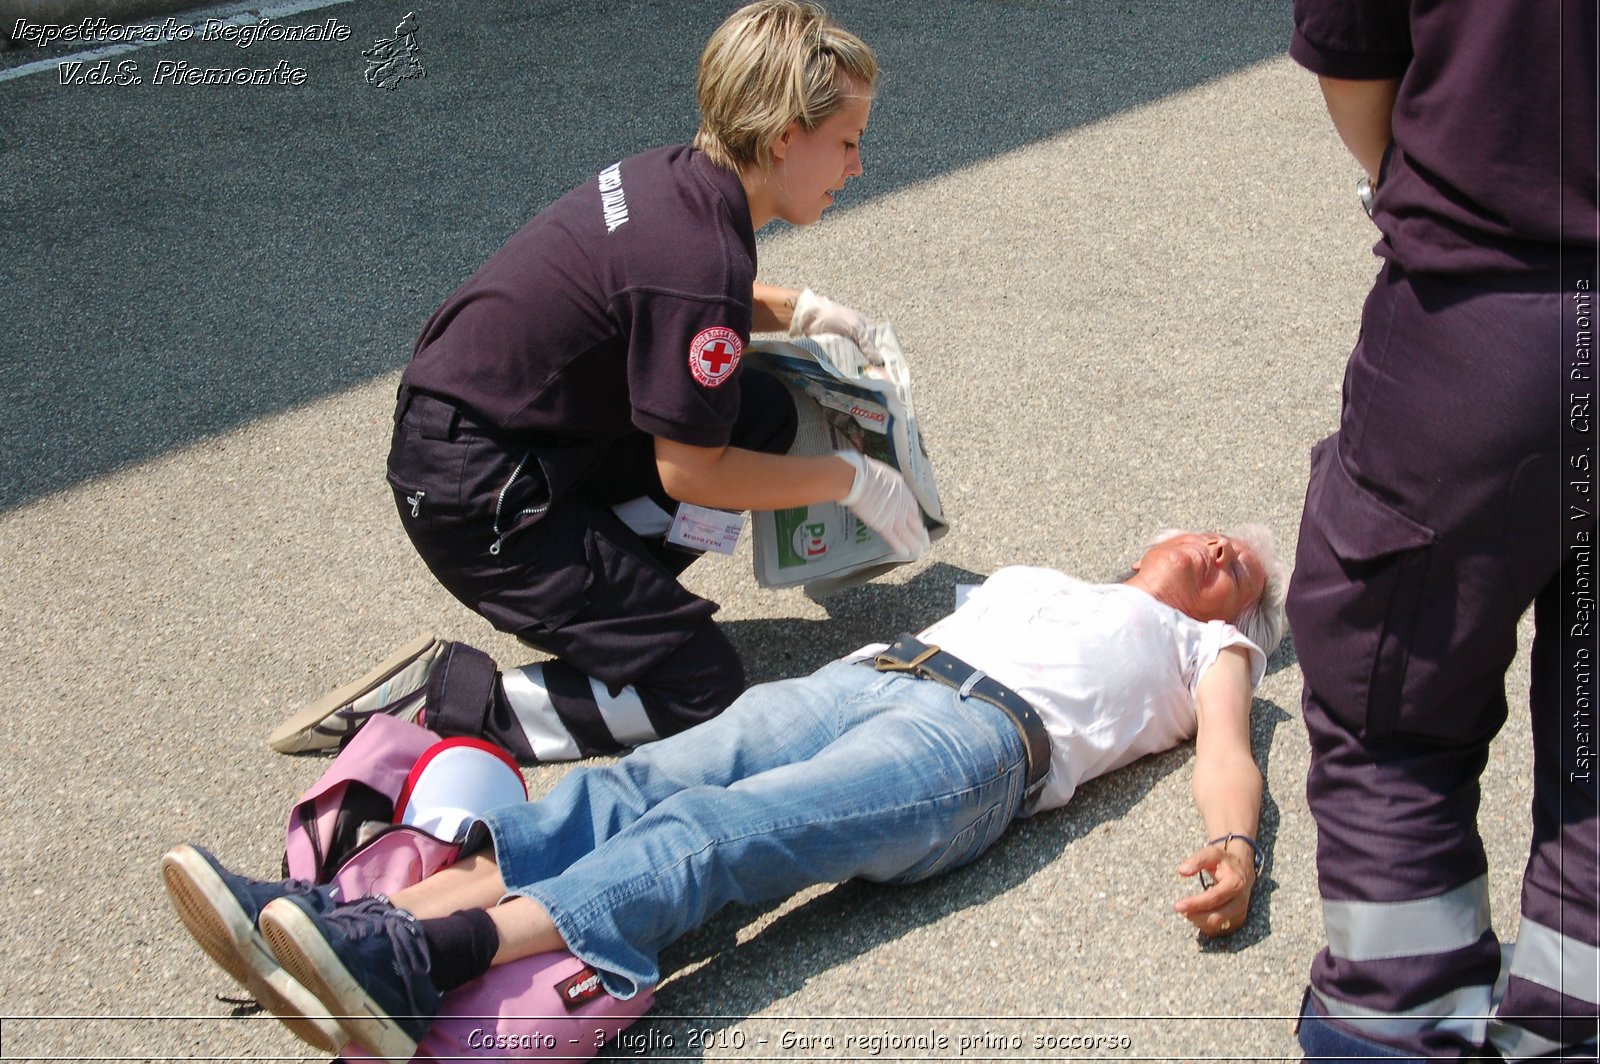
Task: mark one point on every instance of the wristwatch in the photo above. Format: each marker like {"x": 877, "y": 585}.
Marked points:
{"x": 1364, "y": 194}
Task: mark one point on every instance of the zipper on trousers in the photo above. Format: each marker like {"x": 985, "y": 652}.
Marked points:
{"x": 500, "y": 503}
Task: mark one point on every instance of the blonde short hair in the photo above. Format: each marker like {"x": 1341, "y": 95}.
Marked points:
{"x": 771, "y": 63}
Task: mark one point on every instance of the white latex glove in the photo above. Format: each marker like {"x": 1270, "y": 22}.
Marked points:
{"x": 815, "y": 314}
{"x": 880, "y": 497}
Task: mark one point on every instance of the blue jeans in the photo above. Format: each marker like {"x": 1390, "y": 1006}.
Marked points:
{"x": 847, "y": 773}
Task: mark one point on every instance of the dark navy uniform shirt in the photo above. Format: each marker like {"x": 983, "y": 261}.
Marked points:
{"x": 1492, "y": 167}
{"x": 624, "y": 306}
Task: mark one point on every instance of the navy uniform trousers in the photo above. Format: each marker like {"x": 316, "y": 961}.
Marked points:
{"x": 526, "y": 537}
{"x": 1457, "y": 492}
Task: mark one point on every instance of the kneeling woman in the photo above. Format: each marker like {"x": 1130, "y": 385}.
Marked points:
{"x": 586, "y": 381}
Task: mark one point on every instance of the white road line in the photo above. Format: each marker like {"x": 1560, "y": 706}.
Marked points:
{"x": 247, "y": 14}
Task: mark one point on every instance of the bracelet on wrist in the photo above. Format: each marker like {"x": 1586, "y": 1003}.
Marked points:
{"x": 1260, "y": 858}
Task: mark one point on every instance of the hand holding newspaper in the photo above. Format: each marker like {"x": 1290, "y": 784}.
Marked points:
{"x": 843, "y": 401}
{"x": 880, "y": 496}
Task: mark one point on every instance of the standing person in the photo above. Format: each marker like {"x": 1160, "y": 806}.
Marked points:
{"x": 568, "y": 397}
{"x": 1439, "y": 511}
{"x": 894, "y": 765}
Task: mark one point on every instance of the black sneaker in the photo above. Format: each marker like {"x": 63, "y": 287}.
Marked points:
{"x": 219, "y": 909}
{"x": 367, "y": 962}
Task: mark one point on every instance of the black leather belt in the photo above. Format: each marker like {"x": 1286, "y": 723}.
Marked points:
{"x": 911, "y": 655}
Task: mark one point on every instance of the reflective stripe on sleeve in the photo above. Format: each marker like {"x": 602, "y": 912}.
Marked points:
{"x": 1375, "y": 931}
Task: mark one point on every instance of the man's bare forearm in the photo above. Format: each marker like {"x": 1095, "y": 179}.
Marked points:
{"x": 1227, "y": 793}
{"x": 1363, "y": 115}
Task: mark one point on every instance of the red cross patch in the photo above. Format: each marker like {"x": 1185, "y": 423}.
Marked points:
{"x": 714, "y": 354}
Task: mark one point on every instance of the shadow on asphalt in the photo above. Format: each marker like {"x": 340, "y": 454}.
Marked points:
{"x": 178, "y": 262}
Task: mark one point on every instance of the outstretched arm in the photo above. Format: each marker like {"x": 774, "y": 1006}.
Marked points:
{"x": 1227, "y": 792}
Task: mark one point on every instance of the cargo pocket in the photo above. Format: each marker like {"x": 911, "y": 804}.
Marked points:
{"x": 1359, "y": 600}
{"x": 426, "y": 475}
{"x": 542, "y": 576}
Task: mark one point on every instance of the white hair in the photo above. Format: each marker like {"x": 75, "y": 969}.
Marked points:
{"x": 1264, "y": 620}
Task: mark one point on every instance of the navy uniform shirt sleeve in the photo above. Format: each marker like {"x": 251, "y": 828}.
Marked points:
{"x": 684, "y": 354}
{"x": 1490, "y": 169}
{"x": 684, "y": 267}
{"x": 1360, "y": 40}
{"x": 622, "y": 307}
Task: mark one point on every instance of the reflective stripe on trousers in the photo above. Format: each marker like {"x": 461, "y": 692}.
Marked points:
{"x": 1542, "y": 957}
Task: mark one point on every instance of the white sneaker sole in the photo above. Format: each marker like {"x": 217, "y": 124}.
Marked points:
{"x": 298, "y": 734}
{"x": 303, "y": 952}
{"x": 216, "y": 921}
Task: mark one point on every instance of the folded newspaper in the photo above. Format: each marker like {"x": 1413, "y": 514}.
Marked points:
{"x": 843, "y": 401}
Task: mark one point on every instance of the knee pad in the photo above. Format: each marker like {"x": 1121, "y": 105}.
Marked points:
{"x": 461, "y": 692}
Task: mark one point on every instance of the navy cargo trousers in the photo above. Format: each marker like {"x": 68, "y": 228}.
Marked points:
{"x": 1457, "y": 492}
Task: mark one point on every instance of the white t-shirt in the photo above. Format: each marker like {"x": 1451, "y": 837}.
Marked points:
{"x": 1111, "y": 670}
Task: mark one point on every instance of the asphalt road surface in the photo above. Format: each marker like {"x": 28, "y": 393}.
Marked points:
{"x": 1119, "y": 242}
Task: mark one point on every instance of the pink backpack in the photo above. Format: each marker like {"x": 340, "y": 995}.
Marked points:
{"x": 342, "y": 831}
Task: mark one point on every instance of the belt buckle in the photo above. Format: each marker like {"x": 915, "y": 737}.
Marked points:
{"x": 884, "y": 663}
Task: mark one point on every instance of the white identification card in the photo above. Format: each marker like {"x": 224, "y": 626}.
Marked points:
{"x": 702, "y": 528}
